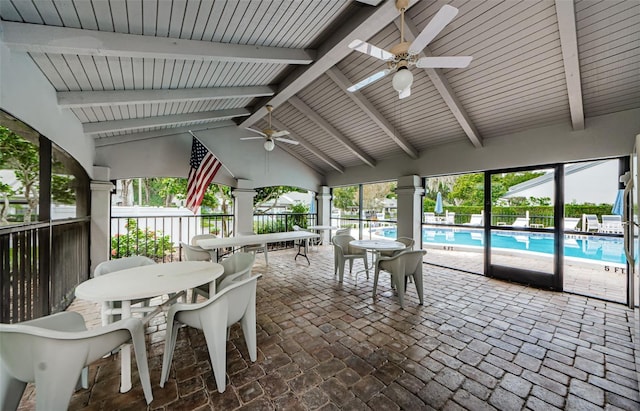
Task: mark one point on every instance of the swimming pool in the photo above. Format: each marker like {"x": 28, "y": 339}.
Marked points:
{"x": 596, "y": 248}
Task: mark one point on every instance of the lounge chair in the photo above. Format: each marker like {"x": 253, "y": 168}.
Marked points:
{"x": 476, "y": 219}
{"x": 571, "y": 223}
{"x": 611, "y": 224}
{"x": 521, "y": 222}
{"x": 429, "y": 218}
{"x": 450, "y": 218}
{"x": 592, "y": 223}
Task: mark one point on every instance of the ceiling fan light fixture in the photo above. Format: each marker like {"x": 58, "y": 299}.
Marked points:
{"x": 269, "y": 145}
{"x": 402, "y": 79}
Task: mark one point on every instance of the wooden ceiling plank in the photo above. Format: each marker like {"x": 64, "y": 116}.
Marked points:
{"x": 365, "y": 105}
{"x": 329, "y": 129}
{"x": 140, "y": 123}
{"x": 569, "y": 46}
{"x": 61, "y": 40}
{"x": 122, "y": 97}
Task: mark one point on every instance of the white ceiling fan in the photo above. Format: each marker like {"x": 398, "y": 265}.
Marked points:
{"x": 270, "y": 134}
{"x": 405, "y": 54}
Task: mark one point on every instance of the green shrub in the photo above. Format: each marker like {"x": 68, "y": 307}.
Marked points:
{"x": 137, "y": 241}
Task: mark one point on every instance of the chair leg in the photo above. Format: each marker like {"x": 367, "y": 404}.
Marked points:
{"x": 417, "y": 280}
{"x": 248, "y": 323}
{"x": 140, "y": 349}
{"x": 217, "y": 345}
{"x": 341, "y": 271}
{"x": 56, "y": 383}
{"x": 376, "y": 275}
{"x": 399, "y": 287}
{"x": 366, "y": 265}
{"x": 266, "y": 256}
{"x": 11, "y": 391}
{"x": 169, "y": 345}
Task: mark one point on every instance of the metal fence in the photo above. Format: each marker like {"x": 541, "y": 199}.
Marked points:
{"x": 41, "y": 264}
{"x": 159, "y": 237}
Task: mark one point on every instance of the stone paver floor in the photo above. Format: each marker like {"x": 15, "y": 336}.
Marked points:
{"x": 477, "y": 344}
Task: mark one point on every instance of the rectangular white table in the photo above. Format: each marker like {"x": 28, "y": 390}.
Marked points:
{"x": 213, "y": 243}
{"x": 146, "y": 282}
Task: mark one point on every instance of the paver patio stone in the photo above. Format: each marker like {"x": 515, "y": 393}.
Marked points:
{"x": 476, "y": 343}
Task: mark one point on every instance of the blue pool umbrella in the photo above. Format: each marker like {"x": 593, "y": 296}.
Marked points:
{"x": 438, "y": 208}
{"x": 618, "y": 204}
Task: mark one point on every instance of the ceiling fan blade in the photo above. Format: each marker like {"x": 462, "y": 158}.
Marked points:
{"x": 256, "y": 131}
{"x": 280, "y": 133}
{"x": 369, "y": 80}
{"x": 370, "y": 49}
{"x": 435, "y": 26}
{"x": 251, "y": 138}
{"x": 286, "y": 140}
{"x": 444, "y": 62}
{"x": 405, "y": 93}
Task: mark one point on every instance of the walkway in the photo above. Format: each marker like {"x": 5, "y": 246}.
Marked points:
{"x": 477, "y": 344}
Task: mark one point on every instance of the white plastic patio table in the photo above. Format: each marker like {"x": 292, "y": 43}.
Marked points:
{"x": 378, "y": 245}
{"x": 146, "y": 282}
{"x": 212, "y": 243}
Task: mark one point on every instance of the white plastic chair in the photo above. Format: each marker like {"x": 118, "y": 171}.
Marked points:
{"x": 214, "y": 253}
{"x": 402, "y": 266}
{"x": 253, "y": 248}
{"x": 109, "y": 309}
{"x": 235, "y": 303}
{"x": 194, "y": 253}
{"x": 476, "y": 219}
{"x": 408, "y": 243}
{"x": 236, "y": 267}
{"x": 196, "y": 238}
{"x": 54, "y": 352}
{"x": 343, "y": 252}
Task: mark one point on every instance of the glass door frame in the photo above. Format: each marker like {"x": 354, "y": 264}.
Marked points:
{"x": 552, "y": 281}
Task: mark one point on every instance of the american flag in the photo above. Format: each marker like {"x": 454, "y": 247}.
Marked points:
{"x": 204, "y": 166}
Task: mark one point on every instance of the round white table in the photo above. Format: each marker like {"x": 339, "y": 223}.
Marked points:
{"x": 376, "y": 246}
{"x": 146, "y": 282}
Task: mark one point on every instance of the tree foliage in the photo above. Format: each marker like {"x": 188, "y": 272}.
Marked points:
{"x": 265, "y": 194}
{"x": 22, "y": 157}
{"x": 345, "y": 198}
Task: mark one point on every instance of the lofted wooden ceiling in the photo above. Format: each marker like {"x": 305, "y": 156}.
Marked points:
{"x": 152, "y": 66}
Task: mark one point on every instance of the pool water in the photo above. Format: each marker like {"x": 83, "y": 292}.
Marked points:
{"x": 603, "y": 249}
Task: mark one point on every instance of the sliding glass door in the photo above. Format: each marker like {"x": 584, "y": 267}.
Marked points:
{"x": 523, "y": 226}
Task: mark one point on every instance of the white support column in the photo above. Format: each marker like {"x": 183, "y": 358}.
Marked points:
{"x": 409, "y": 193}
{"x": 243, "y": 207}
{"x": 324, "y": 212}
{"x": 100, "y": 220}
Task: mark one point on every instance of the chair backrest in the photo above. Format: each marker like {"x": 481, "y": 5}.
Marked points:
{"x": 119, "y": 264}
{"x": 570, "y": 223}
{"x": 521, "y": 222}
{"x": 296, "y": 228}
{"x": 342, "y": 241}
{"x": 343, "y": 231}
{"x": 451, "y": 218}
{"x": 592, "y": 222}
{"x": 195, "y": 238}
{"x": 476, "y": 219}
{"x": 611, "y": 219}
{"x": 429, "y": 217}
{"x": 406, "y": 262}
{"x": 194, "y": 253}
{"x": 232, "y": 302}
{"x": 408, "y": 242}
{"x": 236, "y": 267}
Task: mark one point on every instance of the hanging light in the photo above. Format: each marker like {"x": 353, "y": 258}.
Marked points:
{"x": 402, "y": 79}
{"x": 269, "y": 145}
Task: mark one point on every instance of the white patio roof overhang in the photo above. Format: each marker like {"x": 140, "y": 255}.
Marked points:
{"x": 118, "y": 85}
